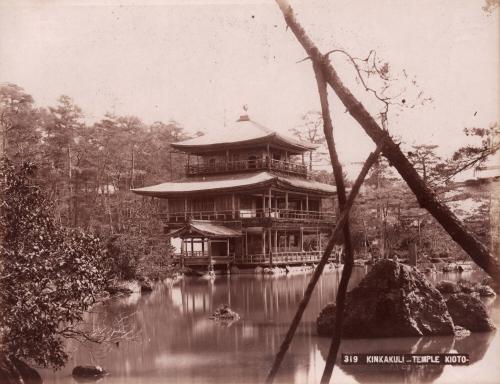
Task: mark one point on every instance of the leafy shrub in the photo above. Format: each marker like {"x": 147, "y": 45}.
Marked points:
{"x": 49, "y": 275}
{"x": 123, "y": 254}
{"x": 133, "y": 256}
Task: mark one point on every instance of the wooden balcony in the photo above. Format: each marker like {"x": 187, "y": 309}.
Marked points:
{"x": 247, "y": 166}
{"x": 285, "y": 215}
{"x": 199, "y": 258}
{"x": 282, "y": 258}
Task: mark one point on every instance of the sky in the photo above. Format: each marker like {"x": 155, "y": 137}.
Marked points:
{"x": 199, "y": 62}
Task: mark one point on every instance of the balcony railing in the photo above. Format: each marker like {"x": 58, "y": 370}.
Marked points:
{"x": 282, "y": 257}
{"x": 202, "y": 258}
{"x": 279, "y": 258}
{"x": 248, "y": 214}
{"x": 247, "y": 165}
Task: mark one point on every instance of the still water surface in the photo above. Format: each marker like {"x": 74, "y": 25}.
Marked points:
{"x": 177, "y": 343}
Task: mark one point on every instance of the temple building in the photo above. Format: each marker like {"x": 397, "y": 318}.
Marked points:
{"x": 247, "y": 199}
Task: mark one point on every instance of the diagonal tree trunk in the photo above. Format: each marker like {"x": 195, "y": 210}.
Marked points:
{"x": 425, "y": 196}
{"x": 321, "y": 265}
{"x": 341, "y": 195}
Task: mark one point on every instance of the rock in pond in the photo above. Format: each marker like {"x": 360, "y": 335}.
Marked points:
{"x": 469, "y": 312}
{"x": 88, "y": 371}
{"x": 392, "y": 300}
{"x": 225, "y": 316}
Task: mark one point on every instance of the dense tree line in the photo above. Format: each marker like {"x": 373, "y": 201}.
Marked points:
{"x": 69, "y": 225}
{"x": 386, "y": 219}
{"x": 87, "y": 169}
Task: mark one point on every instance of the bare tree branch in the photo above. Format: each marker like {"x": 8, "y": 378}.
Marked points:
{"x": 321, "y": 265}
{"x": 341, "y": 195}
{"x": 425, "y": 196}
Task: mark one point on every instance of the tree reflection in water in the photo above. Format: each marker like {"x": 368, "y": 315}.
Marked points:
{"x": 176, "y": 340}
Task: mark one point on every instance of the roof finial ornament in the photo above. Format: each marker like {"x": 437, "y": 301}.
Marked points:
{"x": 244, "y": 117}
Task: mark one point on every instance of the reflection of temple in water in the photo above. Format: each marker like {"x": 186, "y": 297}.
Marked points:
{"x": 177, "y": 339}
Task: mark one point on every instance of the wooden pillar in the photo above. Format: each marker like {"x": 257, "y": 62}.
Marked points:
{"x": 286, "y": 201}
{"x": 263, "y": 204}
{"x": 303, "y": 161}
{"x": 209, "y": 254}
{"x": 233, "y": 206}
{"x": 182, "y": 253}
{"x": 227, "y": 247}
{"x": 203, "y": 246}
{"x": 268, "y": 156}
{"x": 319, "y": 242}
{"x": 276, "y": 240}
{"x": 263, "y": 241}
{"x": 270, "y": 200}
{"x": 307, "y": 202}
{"x": 192, "y": 246}
{"x": 168, "y": 210}
{"x": 185, "y": 207}
{"x": 246, "y": 243}
{"x": 302, "y": 239}
{"x": 227, "y": 159}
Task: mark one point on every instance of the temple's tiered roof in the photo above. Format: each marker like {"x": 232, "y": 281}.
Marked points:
{"x": 234, "y": 183}
{"x": 244, "y": 132}
{"x": 205, "y": 229}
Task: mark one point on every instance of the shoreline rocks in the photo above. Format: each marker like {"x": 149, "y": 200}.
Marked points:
{"x": 396, "y": 300}
{"x": 393, "y": 300}
{"x": 469, "y": 312}
{"x": 447, "y": 287}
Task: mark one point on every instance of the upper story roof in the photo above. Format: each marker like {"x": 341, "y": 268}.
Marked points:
{"x": 243, "y": 133}
{"x": 235, "y": 183}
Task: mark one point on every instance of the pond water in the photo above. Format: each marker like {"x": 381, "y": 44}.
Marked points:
{"x": 175, "y": 342}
